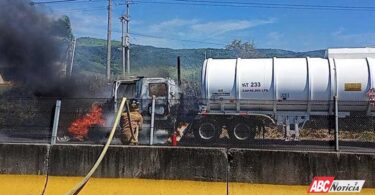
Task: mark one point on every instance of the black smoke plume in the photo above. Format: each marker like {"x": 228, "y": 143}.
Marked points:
{"x": 29, "y": 49}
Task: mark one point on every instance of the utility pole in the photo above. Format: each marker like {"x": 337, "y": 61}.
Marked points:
{"x": 72, "y": 58}
{"x": 127, "y": 39}
{"x": 123, "y": 46}
{"x": 125, "y": 42}
{"x": 109, "y": 37}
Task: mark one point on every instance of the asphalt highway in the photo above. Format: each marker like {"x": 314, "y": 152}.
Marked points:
{"x": 267, "y": 144}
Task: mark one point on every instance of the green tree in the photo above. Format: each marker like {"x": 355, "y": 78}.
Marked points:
{"x": 242, "y": 49}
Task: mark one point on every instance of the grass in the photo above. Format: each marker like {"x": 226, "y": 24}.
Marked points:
{"x": 322, "y": 134}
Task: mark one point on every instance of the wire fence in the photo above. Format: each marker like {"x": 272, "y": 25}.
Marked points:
{"x": 185, "y": 123}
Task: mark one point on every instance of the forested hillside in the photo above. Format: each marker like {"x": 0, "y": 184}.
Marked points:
{"x": 153, "y": 61}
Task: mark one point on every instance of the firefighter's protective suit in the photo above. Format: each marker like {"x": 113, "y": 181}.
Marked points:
{"x": 127, "y": 137}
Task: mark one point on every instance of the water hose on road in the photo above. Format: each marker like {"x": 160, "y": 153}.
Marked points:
{"x": 80, "y": 185}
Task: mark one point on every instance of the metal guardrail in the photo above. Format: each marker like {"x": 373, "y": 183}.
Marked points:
{"x": 44, "y": 120}
{"x": 152, "y": 120}
{"x": 56, "y": 120}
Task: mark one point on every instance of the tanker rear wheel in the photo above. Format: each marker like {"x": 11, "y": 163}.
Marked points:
{"x": 206, "y": 131}
{"x": 242, "y": 130}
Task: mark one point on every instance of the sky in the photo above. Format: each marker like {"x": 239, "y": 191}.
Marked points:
{"x": 297, "y": 25}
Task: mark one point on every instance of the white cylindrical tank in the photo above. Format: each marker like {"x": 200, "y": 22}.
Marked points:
{"x": 287, "y": 84}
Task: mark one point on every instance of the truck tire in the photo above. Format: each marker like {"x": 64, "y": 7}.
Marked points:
{"x": 206, "y": 131}
{"x": 242, "y": 131}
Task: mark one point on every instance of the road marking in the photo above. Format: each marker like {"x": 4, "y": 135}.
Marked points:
{"x": 32, "y": 184}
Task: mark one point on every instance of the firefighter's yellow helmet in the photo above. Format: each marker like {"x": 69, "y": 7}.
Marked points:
{"x": 134, "y": 106}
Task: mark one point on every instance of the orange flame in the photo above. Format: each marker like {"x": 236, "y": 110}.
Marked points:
{"x": 80, "y": 127}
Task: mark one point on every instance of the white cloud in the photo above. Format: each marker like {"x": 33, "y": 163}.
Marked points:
{"x": 155, "y": 42}
{"x": 221, "y": 32}
{"x": 354, "y": 39}
{"x": 208, "y": 28}
{"x": 170, "y": 24}
{"x": 222, "y": 27}
{"x": 218, "y": 32}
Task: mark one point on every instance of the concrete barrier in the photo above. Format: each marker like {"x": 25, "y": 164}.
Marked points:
{"x": 207, "y": 164}
{"x": 23, "y": 159}
{"x": 185, "y": 163}
{"x": 296, "y": 167}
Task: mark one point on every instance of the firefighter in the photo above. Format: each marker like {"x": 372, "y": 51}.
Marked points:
{"x": 127, "y": 137}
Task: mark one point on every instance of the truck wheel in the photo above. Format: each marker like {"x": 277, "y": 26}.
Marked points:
{"x": 242, "y": 131}
{"x": 206, "y": 131}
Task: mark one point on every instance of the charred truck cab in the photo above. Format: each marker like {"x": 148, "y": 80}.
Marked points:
{"x": 142, "y": 89}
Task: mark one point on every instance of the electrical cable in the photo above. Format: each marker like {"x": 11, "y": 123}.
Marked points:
{"x": 259, "y": 5}
{"x": 230, "y": 4}
{"x": 277, "y": 4}
{"x": 62, "y": 1}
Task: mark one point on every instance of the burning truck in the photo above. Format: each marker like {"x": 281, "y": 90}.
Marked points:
{"x": 166, "y": 94}
{"x": 164, "y": 90}
{"x": 244, "y": 94}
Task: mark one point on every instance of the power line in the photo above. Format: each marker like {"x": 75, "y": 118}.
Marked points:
{"x": 278, "y": 4}
{"x": 258, "y": 5}
{"x": 65, "y": 11}
{"x": 58, "y": 1}
{"x": 222, "y": 3}
{"x": 85, "y": 9}
{"x": 61, "y": 1}
{"x": 229, "y": 4}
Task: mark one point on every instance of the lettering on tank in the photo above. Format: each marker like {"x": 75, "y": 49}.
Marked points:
{"x": 353, "y": 87}
{"x": 221, "y": 92}
{"x": 253, "y": 87}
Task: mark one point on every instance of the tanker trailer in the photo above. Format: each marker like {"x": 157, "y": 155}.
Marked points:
{"x": 241, "y": 93}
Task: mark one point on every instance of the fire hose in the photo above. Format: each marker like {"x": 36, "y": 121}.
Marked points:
{"x": 80, "y": 185}
{"x": 129, "y": 119}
